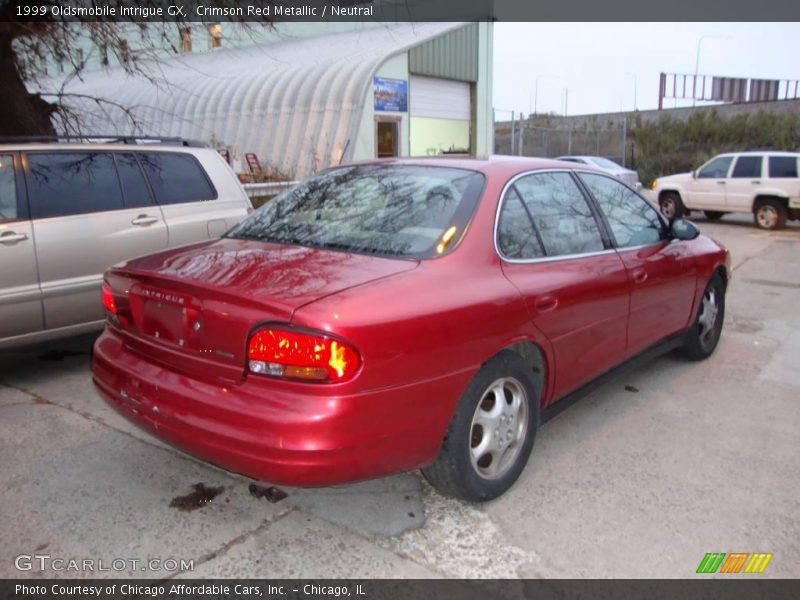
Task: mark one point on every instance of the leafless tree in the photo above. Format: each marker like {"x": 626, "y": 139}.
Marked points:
{"x": 31, "y": 98}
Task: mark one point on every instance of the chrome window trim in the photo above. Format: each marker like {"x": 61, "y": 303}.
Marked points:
{"x": 511, "y": 182}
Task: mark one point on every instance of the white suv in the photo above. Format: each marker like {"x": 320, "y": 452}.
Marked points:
{"x": 68, "y": 211}
{"x": 762, "y": 183}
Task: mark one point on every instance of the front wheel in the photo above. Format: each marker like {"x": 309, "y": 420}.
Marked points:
{"x": 671, "y": 205}
{"x": 704, "y": 334}
{"x": 491, "y": 434}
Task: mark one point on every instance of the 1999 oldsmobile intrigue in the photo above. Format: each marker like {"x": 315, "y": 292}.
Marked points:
{"x": 405, "y": 314}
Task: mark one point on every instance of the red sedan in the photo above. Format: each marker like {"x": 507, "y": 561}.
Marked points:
{"x": 393, "y": 315}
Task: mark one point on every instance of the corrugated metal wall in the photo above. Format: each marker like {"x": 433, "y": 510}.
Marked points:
{"x": 451, "y": 56}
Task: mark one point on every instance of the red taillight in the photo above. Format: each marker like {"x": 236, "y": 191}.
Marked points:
{"x": 300, "y": 355}
{"x": 108, "y": 299}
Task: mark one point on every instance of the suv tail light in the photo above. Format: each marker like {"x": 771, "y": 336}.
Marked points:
{"x": 292, "y": 354}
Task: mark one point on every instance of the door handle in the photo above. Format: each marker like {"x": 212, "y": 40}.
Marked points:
{"x": 756, "y": 181}
{"x": 545, "y": 303}
{"x": 144, "y": 220}
{"x": 640, "y": 276}
{"x": 720, "y": 183}
{"x": 9, "y": 238}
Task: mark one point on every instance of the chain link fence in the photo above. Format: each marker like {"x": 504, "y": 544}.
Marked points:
{"x": 525, "y": 138}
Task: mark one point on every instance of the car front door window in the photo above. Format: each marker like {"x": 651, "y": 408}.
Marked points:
{"x": 716, "y": 169}
{"x": 633, "y": 222}
{"x": 8, "y": 189}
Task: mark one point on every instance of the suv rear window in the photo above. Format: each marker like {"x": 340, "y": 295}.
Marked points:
{"x": 176, "y": 178}
{"x": 782, "y": 167}
{"x": 405, "y": 211}
{"x": 72, "y": 183}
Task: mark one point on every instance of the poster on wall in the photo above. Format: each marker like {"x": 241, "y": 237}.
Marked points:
{"x": 391, "y": 95}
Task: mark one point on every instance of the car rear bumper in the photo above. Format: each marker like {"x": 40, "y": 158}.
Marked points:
{"x": 291, "y": 434}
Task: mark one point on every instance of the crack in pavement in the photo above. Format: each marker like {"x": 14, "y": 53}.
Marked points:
{"x": 232, "y": 543}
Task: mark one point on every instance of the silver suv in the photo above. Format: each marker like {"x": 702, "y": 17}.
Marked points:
{"x": 68, "y": 211}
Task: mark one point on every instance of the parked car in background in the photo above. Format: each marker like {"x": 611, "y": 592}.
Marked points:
{"x": 609, "y": 166}
{"x": 68, "y": 211}
{"x": 400, "y": 314}
{"x": 765, "y": 184}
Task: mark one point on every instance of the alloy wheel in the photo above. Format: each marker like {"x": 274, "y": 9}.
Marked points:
{"x": 498, "y": 428}
{"x": 767, "y": 217}
{"x": 668, "y": 207}
{"x": 707, "y": 319}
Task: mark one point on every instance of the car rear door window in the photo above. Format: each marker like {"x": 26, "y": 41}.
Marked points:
{"x": 716, "y": 169}
{"x": 747, "y": 167}
{"x": 633, "y": 222}
{"x": 8, "y": 188}
{"x": 176, "y": 178}
{"x": 72, "y": 183}
{"x": 516, "y": 236}
{"x": 134, "y": 187}
{"x": 561, "y": 215}
{"x": 783, "y": 167}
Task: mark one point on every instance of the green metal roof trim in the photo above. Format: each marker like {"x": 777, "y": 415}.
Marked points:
{"x": 451, "y": 56}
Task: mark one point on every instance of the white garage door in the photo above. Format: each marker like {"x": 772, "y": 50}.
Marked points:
{"x": 439, "y": 98}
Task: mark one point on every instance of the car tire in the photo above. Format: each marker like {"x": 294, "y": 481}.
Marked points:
{"x": 714, "y": 215}
{"x": 488, "y": 444}
{"x": 671, "y": 206}
{"x": 769, "y": 214}
{"x": 703, "y": 336}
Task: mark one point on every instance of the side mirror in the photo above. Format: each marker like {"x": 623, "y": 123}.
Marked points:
{"x": 694, "y": 174}
{"x": 681, "y": 229}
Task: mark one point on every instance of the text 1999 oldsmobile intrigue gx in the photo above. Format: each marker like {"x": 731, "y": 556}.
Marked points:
{"x": 412, "y": 313}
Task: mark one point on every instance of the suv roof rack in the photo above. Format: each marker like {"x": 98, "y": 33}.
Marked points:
{"x": 101, "y": 139}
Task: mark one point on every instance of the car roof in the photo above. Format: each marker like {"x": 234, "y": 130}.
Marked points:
{"x": 57, "y": 147}
{"x": 495, "y": 164}
{"x": 761, "y": 153}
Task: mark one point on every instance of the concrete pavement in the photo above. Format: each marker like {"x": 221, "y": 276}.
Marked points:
{"x": 640, "y": 479}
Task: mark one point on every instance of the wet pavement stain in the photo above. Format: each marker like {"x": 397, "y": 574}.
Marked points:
{"x": 271, "y": 493}
{"x": 59, "y": 355}
{"x": 744, "y": 325}
{"x": 200, "y": 497}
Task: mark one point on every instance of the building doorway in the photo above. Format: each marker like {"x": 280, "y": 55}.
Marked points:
{"x": 387, "y": 138}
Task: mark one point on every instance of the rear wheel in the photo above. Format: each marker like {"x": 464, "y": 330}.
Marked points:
{"x": 704, "y": 334}
{"x": 491, "y": 434}
{"x": 769, "y": 214}
{"x": 713, "y": 215}
{"x": 671, "y": 205}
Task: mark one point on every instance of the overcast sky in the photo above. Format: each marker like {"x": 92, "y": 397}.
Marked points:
{"x": 597, "y": 61}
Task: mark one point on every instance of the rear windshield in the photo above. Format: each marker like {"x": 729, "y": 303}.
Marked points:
{"x": 605, "y": 163}
{"x": 404, "y": 211}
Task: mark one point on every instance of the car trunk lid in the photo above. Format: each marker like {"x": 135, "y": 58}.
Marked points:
{"x": 193, "y": 308}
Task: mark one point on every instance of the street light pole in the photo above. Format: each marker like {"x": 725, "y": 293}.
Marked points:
{"x": 697, "y": 62}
